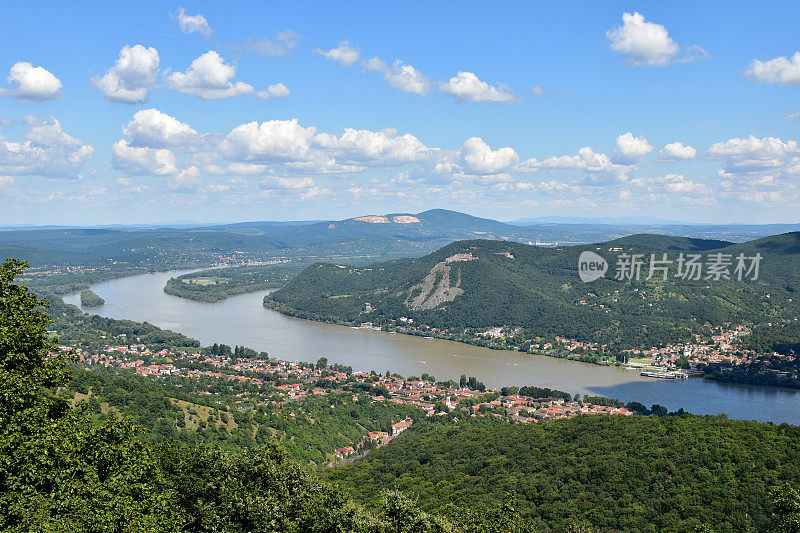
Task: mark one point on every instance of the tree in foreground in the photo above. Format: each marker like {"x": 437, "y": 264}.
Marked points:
{"x": 59, "y": 471}
{"x": 786, "y": 512}
{"x": 260, "y": 489}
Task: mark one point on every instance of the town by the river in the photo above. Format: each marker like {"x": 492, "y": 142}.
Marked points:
{"x": 242, "y": 320}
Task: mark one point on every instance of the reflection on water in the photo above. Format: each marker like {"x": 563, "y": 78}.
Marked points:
{"x": 243, "y": 320}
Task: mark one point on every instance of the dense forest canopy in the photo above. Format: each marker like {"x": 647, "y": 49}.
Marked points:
{"x": 672, "y": 473}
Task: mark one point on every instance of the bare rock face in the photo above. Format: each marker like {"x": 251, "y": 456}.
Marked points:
{"x": 437, "y": 287}
{"x": 373, "y": 219}
{"x": 405, "y": 219}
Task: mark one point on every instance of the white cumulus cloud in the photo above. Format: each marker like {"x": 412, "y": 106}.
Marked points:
{"x": 778, "y": 70}
{"x": 753, "y": 147}
{"x": 678, "y": 150}
{"x": 277, "y": 90}
{"x": 466, "y": 87}
{"x": 648, "y": 44}
{"x": 274, "y": 140}
{"x": 400, "y": 76}
{"x": 630, "y": 149}
{"x": 586, "y": 159}
{"x": 154, "y": 129}
{"x": 209, "y": 78}
{"x": 344, "y": 54}
{"x": 143, "y": 161}
{"x": 131, "y": 77}
{"x": 374, "y": 147}
{"x": 597, "y": 166}
{"x": 193, "y": 23}
{"x": 752, "y": 158}
{"x": 45, "y": 151}
{"x": 479, "y": 158}
{"x": 31, "y": 84}
{"x": 302, "y": 147}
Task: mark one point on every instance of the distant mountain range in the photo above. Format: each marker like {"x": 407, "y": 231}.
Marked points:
{"x": 642, "y": 221}
{"x": 360, "y": 239}
{"x": 483, "y": 284}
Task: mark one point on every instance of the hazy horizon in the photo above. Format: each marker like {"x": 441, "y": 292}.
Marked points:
{"x": 549, "y": 219}
{"x": 264, "y": 113}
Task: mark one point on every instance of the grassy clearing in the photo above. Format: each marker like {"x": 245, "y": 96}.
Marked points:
{"x": 105, "y": 408}
{"x": 205, "y": 281}
{"x": 196, "y": 415}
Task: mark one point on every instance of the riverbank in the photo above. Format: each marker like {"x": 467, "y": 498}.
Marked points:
{"x": 491, "y": 343}
{"x": 243, "y": 320}
{"x": 719, "y": 359}
{"x": 182, "y": 289}
{"x": 217, "y": 284}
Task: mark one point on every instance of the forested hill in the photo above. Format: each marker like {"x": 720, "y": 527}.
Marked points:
{"x": 480, "y": 284}
{"x": 674, "y": 473}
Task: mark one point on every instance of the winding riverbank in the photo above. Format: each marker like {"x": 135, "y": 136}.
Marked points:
{"x": 443, "y": 335}
{"x": 243, "y": 320}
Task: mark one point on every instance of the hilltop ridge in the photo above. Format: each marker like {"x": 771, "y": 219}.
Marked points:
{"x": 475, "y": 285}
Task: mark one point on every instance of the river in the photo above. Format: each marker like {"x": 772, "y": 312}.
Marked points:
{"x": 243, "y": 320}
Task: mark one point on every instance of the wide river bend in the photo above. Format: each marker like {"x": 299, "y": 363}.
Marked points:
{"x": 243, "y": 320}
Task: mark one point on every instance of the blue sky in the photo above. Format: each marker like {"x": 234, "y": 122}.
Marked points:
{"x": 270, "y": 111}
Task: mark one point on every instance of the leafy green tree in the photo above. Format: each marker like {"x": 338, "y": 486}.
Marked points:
{"x": 638, "y": 407}
{"x": 658, "y": 410}
{"x": 403, "y": 516}
{"x": 503, "y": 518}
{"x": 786, "y": 512}
{"x": 258, "y": 490}
{"x": 58, "y": 471}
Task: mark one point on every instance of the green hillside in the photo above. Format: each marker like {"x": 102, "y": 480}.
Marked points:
{"x": 473, "y": 285}
{"x": 675, "y": 473}
{"x": 65, "y": 470}
{"x": 182, "y": 409}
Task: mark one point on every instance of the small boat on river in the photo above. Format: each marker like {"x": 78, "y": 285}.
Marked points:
{"x": 664, "y": 375}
